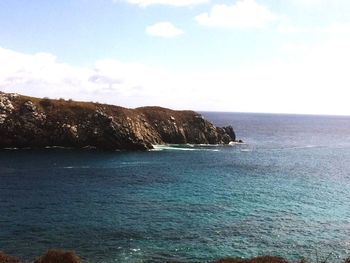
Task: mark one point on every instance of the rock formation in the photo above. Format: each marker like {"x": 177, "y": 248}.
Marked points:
{"x": 37, "y": 123}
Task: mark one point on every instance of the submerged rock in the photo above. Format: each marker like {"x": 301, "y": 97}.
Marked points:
{"x": 33, "y": 122}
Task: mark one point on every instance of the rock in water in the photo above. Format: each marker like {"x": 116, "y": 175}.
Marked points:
{"x": 37, "y": 123}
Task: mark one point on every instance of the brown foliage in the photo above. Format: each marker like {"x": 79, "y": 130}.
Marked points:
{"x": 7, "y": 259}
{"x": 58, "y": 256}
{"x": 264, "y": 259}
{"x": 45, "y": 102}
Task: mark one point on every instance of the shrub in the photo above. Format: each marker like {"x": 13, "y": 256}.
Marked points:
{"x": 45, "y": 102}
{"x": 58, "y": 256}
{"x": 7, "y": 259}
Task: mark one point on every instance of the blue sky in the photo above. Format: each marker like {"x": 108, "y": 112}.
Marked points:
{"x": 229, "y": 55}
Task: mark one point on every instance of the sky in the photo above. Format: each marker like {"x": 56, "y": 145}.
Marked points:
{"x": 277, "y": 56}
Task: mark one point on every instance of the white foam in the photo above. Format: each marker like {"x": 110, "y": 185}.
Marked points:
{"x": 302, "y": 147}
{"x": 57, "y": 147}
{"x": 171, "y": 147}
{"x": 208, "y": 145}
{"x": 184, "y": 147}
{"x": 14, "y": 148}
{"x": 76, "y": 167}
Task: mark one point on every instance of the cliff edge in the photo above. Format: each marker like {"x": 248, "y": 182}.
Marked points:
{"x": 37, "y": 123}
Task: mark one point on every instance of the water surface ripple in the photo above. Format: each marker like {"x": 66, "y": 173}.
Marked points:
{"x": 285, "y": 192}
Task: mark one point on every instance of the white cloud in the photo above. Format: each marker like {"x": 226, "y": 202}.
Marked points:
{"x": 164, "y": 29}
{"x": 314, "y": 79}
{"x": 109, "y": 80}
{"x": 41, "y": 75}
{"x": 337, "y": 28}
{"x": 295, "y": 48}
{"x": 243, "y": 14}
{"x": 291, "y": 29}
{"x": 342, "y": 29}
{"x": 145, "y": 3}
{"x": 319, "y": 3}
{"x": 308, "y": 3}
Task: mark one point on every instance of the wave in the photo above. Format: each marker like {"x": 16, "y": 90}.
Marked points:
{"x": 57, "y": 147}
{"x": 171, "y": 147}
{"x": 303, "y": 147}
{"x": 185, "y": 147}
{"x": 75, "y": 167}
{"x": 12, "y": 149}
{"x": 246, "y": 150}
{"x": 233, "y": 143}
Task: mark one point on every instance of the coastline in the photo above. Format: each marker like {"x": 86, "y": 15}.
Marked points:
{"x": 43, "y": 122}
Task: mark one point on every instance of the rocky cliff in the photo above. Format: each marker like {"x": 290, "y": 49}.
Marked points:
{"x": 36, "y": 123}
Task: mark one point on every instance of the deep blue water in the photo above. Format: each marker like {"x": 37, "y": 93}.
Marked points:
{"x": 285, "y": 192}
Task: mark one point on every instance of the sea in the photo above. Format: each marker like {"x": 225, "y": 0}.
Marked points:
{"x": 284, "y": 192}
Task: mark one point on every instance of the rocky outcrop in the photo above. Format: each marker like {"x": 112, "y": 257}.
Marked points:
{"x": 36, "y": 123}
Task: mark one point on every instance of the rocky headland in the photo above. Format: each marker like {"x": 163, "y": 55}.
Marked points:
{"x": 38, "y": 123}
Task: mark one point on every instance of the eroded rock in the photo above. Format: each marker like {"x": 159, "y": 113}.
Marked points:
{"x": 27, "y": 122}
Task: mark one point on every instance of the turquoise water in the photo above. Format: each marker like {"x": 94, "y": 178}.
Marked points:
{"x": 285, "y": 192}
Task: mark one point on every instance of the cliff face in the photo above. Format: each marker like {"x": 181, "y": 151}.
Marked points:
{"x": 32, "y": 122}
